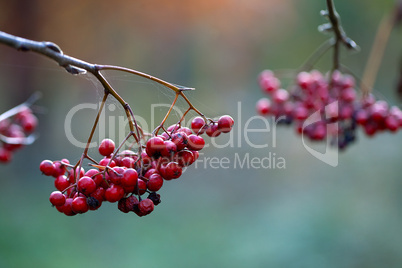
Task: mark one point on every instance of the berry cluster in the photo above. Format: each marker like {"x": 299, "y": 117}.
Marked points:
{"x": 335, "y": 98}
{"x": 14, "y": 131}
{"x": 124, "y": 177}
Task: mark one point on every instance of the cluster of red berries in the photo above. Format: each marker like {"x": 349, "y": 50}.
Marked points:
{"x": 126, "y": 176}
{"x": 16, "y": 129}
{"x": 335, "y": 98}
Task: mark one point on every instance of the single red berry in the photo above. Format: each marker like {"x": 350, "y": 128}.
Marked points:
{"x": 180, "y": 139}
{"x": 225, "y": 123}
{"x": 57, "y": 198}
{"x": 145, "y": 206}
{"x": 155, "y": 182}
{"x": 269, "y": 83}
{"x": 67, "y": 208}
{"x": 169, "y": 149}
{"x": 29, "y": 122}
{"x": 59, "y": 168}
{"x": 155, "y": 146}
{"x": 172, "y": 171}
{"x": 47, "y": 167}
{"x": 114, "y": 193}
{"x": 392, "y": 123}
{"x": 304, "y": 80}
{"x": 130, "y": 177}
{"x": 184, "y": 158}
{"x": 212, "y": 130}
{"x": 263, "y": 106}
{"x": 150, "y": 172}
{"x": 61, "y": 183}
{"x": 300, "y": 112}
{"x": 79, "y": 205}
{"x": 196, "y": 154}
{"x": 106, "y": 161}
{"x": 86, "y": 185}
{"x": 197, "y": 125}
{"x": 280, "y": 96}
{"x": 348, "y": 94}
{"x": 195, "y": 143}
{"x": 362, "y": 117}
{"x": 319, "y": 132}
{"x": 106, "y": 147}
{"x": 116, "y": 174}
{"x": 5, "y": 155}
{"x": 127, "y": 162}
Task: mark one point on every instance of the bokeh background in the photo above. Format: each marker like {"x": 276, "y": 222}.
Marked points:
{"x": 308, "y": 214}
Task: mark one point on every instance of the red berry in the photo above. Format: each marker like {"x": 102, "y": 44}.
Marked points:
{"x": 195, "y": 143}
{"x": 155, "y": 146}
{"x": 106, "y": 161}
{"x": 184, "y": 158}
{"x": 114, "y": 193}
{"x": 392, "y": 123}
{"x": 57, "y": 198}
{"x": 116, "y": 174}
{"x": 86, "y": 185}
{"x": 145, "y": 207}
{"x": 61, "y": 183}
{"x": 280, "y": 96}
{"x": 197, "y": 125}
{"x": 212, "y": 130}
{"x": 300, "y": 112}
{"x": 5, "y": 155}
{"x": 106, "y": 147}
{"x": 130, "y": 177}
{"x": 59, "y": 168}
{"x": 150, "y": 172}
{"x": 169, "y": 149}
{"x": 263, "y": 106}
{"x": 362, "y": 117}
{"x": 127, "y": 162}
{"x": 47, "y": 167}
{"x": 155, "y": 182}
{"x": 225, "y": 123}
{"x": 172, "y": 171}
{"x": 180, "y": 139}
{"x": 79, "y": 205}
{"x": 67, "y": 207}
{"x": 268, "y": 82}
{"x": 29, "y": 122}
{"x": 304, "y": 80}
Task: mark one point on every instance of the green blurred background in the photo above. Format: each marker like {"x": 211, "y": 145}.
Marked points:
{"x": 306, "y": 215}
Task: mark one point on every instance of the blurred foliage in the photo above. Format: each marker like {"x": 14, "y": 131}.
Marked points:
{"x": 307, "y": 215}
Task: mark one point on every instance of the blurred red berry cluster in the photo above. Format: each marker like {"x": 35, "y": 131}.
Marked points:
{"x": 333, "y": 99}
{"x": 14, "y": 131}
